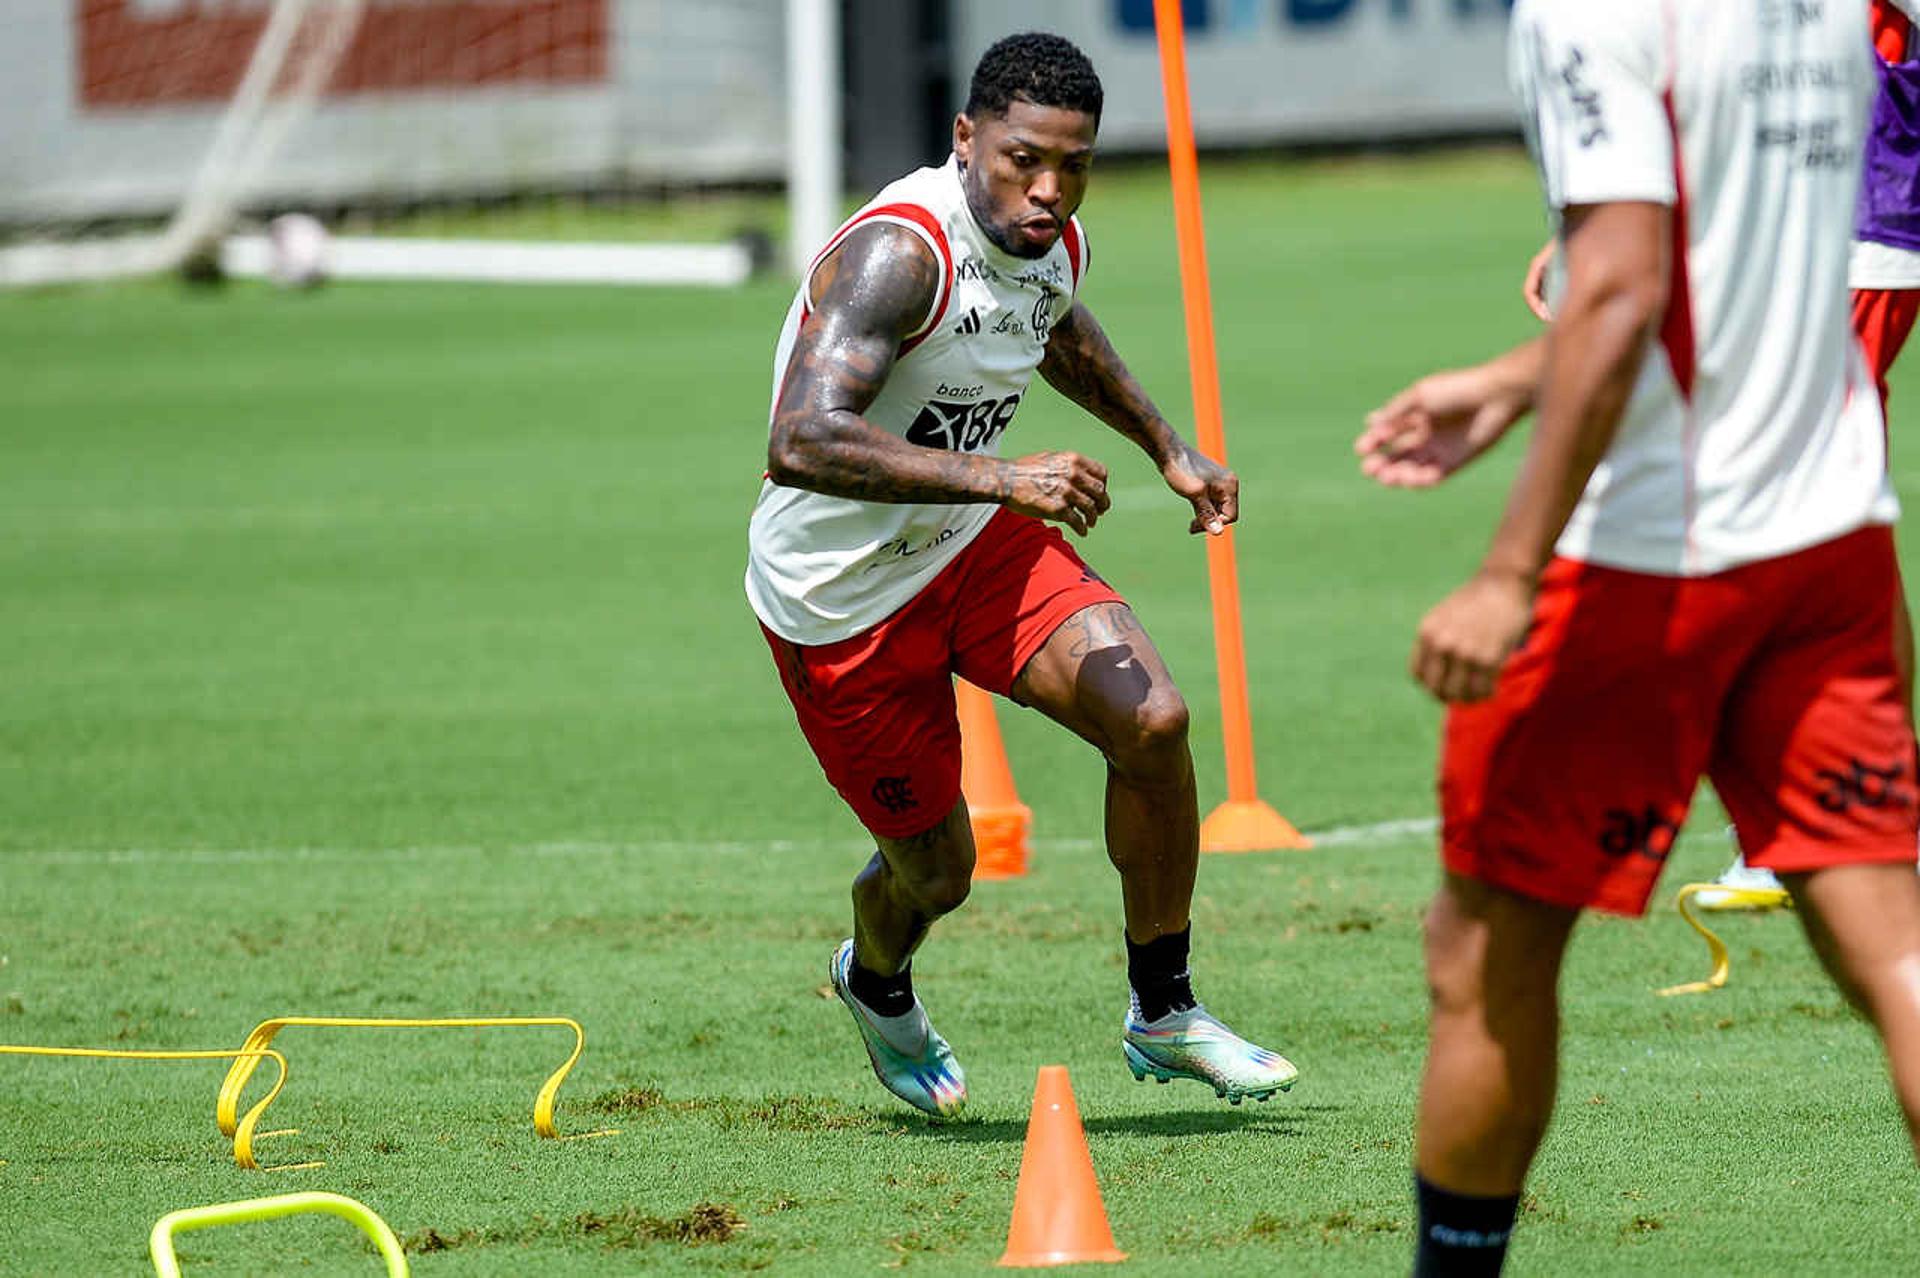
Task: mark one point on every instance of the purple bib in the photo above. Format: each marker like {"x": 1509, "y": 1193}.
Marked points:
{"x": 1890, "y": 181}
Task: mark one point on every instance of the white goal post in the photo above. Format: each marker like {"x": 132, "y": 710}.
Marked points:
{"x": 814, "y": 178}
{"x": 189, "y": 119}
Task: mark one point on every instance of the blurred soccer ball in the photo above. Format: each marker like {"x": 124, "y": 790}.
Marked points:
{"x": 299, "y": 250}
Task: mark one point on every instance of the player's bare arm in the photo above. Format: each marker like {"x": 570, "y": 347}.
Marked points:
{"x": 868, "y": 296}
{"x": 1533, "y": 289}
{"x": 1617, "y": 286}
{"x": 1443, "y": 421}
{"x": 1081, "y": 364}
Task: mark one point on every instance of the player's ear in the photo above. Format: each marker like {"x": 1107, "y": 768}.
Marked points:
{"x": 963, "y": 138}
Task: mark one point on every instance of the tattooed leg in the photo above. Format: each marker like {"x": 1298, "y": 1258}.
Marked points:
{"x": 1101, "y": 676}
{"x": 906, "y": 886}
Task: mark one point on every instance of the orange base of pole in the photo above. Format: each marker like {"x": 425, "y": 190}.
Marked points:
{"x": 1249, "y": 825}
{"x": 1000, "y": 841}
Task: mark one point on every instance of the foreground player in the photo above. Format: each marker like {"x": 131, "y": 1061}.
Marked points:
{"x": 892, "y": 547}
{"x": 1885, "y": 275}
{"x": 1694, "y": 572}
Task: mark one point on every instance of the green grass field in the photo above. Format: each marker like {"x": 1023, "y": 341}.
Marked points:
{"x": 382, "y": 651}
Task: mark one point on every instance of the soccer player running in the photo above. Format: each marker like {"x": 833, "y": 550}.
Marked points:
{"x": 1694, "y": 573}
{"x": 893, "y": 547}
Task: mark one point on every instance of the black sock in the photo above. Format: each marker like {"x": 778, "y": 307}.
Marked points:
{"x": 887, "y": 995}
{"x": 1158, "y": 973}
{"x": 1461, "y": 1235}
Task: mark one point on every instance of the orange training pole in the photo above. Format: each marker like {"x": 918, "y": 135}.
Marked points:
{"x": 1243, "y": 823}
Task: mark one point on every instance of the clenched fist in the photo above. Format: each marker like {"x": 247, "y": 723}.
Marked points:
{"x": 1064, "y": 487}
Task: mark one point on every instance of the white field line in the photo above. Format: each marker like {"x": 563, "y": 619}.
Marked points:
{"x": 1378, "y": 832}
{"x": 1338, "y": 836}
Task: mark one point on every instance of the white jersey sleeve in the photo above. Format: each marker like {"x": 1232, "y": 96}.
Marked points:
{"x": 1591, "y": 81}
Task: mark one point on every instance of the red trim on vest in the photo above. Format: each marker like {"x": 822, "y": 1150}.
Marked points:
{"x": 1677, "y": 333}
{"x": 920, "y": 217}
{"x": 1892, "y": 32}
{"x": 1076, "y": 246}
{"x": 1676, "y": 330}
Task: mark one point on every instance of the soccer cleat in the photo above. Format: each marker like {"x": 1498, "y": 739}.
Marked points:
{"x": 1193, "y": 1044}
{"x": 909, "y": 1057}
{"x": 1740, "y": 887}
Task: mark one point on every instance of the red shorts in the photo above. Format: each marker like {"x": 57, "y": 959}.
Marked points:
{"x": 1882, "y": 319}
{"x": 878, "y": 708}
{"x": 1775, "y": 679}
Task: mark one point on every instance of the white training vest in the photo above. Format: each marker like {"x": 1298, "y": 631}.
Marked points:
{"x": 821, "y": 569}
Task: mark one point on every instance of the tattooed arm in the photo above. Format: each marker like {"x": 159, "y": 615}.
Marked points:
{"x": 1082, "y": 365}
{"x": 873, "y": 291}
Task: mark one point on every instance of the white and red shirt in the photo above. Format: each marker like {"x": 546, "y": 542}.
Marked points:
{"x": 1754, "y": 430}
{"x": 820, "y": 568}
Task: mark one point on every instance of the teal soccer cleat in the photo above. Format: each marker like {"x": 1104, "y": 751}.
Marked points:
{"x": 1193, "y": 1044}
{"x": 909, "y": 1057}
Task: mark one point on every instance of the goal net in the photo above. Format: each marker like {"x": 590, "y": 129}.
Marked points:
{"x": 458, "y": 139}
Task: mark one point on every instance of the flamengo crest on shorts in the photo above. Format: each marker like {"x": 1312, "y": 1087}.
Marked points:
{"x": 821, "y": 568}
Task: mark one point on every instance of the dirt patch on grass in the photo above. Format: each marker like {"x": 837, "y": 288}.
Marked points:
{"x": 805, "y": 1114}
{"x": 628, "y": 1100}
{"x": 1834, "y": 1011}
{"x": 623, "y": 1228}
{"x": 705, "y": 1223}
{"x": 776, "y": 1113}
{"x": 423, "y": 1241}
{"x": 1332, "y": 1228}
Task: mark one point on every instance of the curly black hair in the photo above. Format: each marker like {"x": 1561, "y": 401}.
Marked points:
{"x": 1038, "y": 67}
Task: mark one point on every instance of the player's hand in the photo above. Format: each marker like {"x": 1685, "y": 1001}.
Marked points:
{"x": 1534, "y": 290}
{"x": 1064, "y": 487}
{"x": 1468, "y": 636}
{"x": 1437, "y": 425}
{"x": 1212, "y": 488}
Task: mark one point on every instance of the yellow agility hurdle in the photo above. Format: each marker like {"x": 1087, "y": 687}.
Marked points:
{"x": 242, "y": 1132}
{"x": 1749, "y": 898}
{"x": 167, "y": 1265}
{"x": 247, "y": 1059}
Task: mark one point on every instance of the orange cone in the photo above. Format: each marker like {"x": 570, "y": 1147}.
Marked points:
{"x": 1000, "y": 821}
{"x": 1058, "y": 1218}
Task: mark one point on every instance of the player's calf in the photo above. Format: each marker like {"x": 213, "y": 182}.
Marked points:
{"x": 908, "y": 884}
{"x": 1864, "y": 923}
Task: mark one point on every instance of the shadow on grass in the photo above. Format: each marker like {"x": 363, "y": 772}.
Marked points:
{"x": 819, "y": 1113}
{"x": 1292, "y": 1120}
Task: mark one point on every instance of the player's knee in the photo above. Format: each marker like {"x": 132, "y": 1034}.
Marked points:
{"x": 1163, "y": 721}
{"x": 941, "y": 891}
{"x": 1454, "y": 952}
{"x": 1154, "y": 746}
